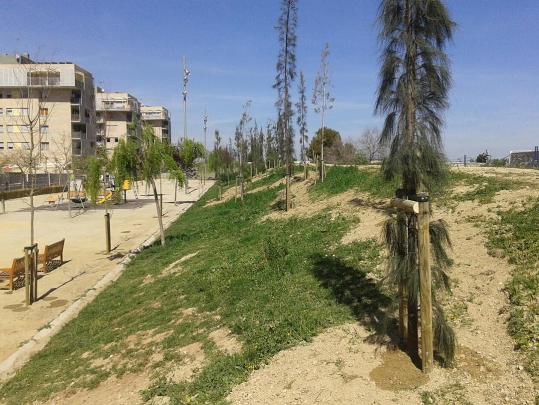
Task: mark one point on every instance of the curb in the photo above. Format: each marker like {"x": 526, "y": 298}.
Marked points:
{"x": 17, "y": 359}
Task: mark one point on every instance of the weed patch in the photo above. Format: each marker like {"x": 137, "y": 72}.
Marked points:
{"x": 517, "y": 235}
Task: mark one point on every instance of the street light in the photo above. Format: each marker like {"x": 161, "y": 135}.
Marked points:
{"x": 186, "y": 73}
{"x": 205, "y": 150}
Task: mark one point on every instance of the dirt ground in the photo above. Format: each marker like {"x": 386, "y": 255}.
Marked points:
{"x": 84, "y": 252}
{"x": 341, "y": 367}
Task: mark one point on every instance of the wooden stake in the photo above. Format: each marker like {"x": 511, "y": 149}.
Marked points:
{"x": 287, "y": 192}
{"x": 27, "y": 285}
{"x": 107, "y": 233}
{"x": 425, "y": 284}
{"x": 34, "y": 267}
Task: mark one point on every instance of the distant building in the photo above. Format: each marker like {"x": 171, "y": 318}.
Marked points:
{"x": 524, "y": 158}
{"x": 118, "y": 117}
{"x": 66, "y": 124}
{"x": 158, "y": 117}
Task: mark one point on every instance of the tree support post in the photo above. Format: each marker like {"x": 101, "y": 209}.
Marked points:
{"x": 3, "y": 206}
{"x": 287, "y": 192}
{"x": 425, "y": 283}
{"x": 30, "y": 273}
{"x": 107, "y": 233}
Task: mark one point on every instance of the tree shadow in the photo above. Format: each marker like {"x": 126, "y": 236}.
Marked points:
{"x": 351, "y": 287}
{"x": 380, "y": 205}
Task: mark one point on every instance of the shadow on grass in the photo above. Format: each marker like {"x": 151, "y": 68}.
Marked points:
{"x": 351, "y": 287}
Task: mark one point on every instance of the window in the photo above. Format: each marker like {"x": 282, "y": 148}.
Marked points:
{"x": 1, "y": 112}
{"x": 43, "y": 78}
{"x": 109, "y": 139}
{"x": 10, "y": 129}
{"x": 44, "y": 146}
{"x": 24, "y": 129}
{"x": 77, "y": 147}
{"x": 7, "y": 95}
{"x": 44, "y": 129}
{"x": 43, "y": 112}
{"x": 1, "y": 145}
{"x": 1, "y": 129}
{"x": 116, "y": 140}
{"x": 10, "y": 145}
{"x": 16, "y": 112}
{"x": 25, "y": 145}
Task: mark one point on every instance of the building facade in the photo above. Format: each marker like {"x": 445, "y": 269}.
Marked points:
{"x": 158, "y": 118}
{"x": 46, "y": 107}
{"x": 118, "y": 117}
{"x": 524, "y": 158}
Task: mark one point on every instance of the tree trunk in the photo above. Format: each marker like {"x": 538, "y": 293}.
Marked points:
{"x": 159, "y": 213}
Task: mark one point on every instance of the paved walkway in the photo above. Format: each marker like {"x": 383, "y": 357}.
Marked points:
{"x": 86, "y": 261}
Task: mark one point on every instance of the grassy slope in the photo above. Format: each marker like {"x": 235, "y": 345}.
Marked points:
{"x": 517, "y": 234}
{"x": 273, "y": 283}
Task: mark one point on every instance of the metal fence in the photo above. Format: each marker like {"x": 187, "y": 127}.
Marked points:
{"x": 20, "y": 181}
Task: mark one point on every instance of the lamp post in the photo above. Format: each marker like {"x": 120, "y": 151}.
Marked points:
{"x": 205, "y": 151}
{"x": 186, "y": 74}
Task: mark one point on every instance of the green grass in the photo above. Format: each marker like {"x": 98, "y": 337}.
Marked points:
{"x": 340, "y": 179}
{"x": 484, "y": 188}
{"x": 370, "y": 180}
{"x": 273, "y": 283}
{"x": 517, "y": 235}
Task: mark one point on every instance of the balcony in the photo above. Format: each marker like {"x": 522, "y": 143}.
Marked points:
{"x": 78, "y": 134}
{"x": 153, "y": 115}
{"x": 75, "y": 117}
{"x": 43, "y": 80}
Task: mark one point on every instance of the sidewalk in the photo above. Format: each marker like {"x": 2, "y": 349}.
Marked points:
{"x": 85, "y": 259}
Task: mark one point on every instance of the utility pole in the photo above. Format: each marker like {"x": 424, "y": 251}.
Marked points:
{"x": 205, "y": 149}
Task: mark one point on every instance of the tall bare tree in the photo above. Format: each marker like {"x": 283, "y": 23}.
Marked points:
{"x": 301, "y": 106}
{"x": 286, "y": 74}
{"x": 30, "y": 117}
{"x": 322, "y": 99}
{"x": 369, "y": 144}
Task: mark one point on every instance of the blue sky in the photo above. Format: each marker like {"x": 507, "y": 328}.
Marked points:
{"x": 231, "y": 48}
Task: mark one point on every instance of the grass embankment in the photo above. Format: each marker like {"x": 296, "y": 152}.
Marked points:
{"x": 516, "y": 233}
{"x": 272, "y": 283}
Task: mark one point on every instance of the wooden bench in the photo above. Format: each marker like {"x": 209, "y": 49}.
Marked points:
{"x": 16, "y": 271}
{"x": 52, "y": 252}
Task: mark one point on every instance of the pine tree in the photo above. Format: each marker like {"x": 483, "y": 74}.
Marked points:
{"x": 412, "y": 95}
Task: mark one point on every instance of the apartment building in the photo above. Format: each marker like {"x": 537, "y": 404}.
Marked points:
{"x": 117, "y": 117}
{"x": 157, "y": 117}
{"x": 51, "y": 103}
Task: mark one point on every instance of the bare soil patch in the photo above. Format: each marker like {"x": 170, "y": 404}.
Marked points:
{"x": 225, "y": 341}
{"x": 192, "y": 362}
{"x": 114, "y": 391}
